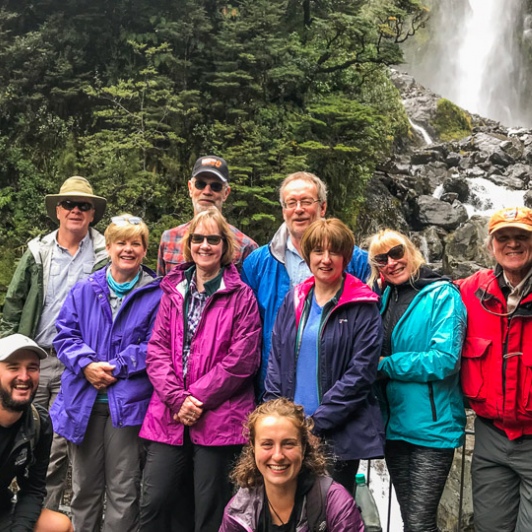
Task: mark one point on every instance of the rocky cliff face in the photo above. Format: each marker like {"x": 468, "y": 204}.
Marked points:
{"x": 442, "y": 193}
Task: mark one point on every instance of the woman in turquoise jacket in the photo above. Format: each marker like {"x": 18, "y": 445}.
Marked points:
{"x": 424, "y": 323}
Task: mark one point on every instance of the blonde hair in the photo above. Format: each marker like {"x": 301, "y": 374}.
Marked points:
{"x": 225, "y": 231}
{"x": 331, "y": 232}
{"x": 128, "y": 231}
{"x": 386, "y": 239}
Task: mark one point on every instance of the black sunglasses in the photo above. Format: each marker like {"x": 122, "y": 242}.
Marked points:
{"x": 83, "y": 206}
{"x": 213, "y": 240}
{"x": 216, "y": 186}
{"x": 395, "y": 253}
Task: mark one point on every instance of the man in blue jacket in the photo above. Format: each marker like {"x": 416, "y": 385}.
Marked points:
{"x": 278, "y": 266}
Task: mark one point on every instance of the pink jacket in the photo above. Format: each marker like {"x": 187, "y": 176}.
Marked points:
{"x": 224, "y": 357}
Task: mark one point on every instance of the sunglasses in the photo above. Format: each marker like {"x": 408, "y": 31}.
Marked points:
{"x": 83, "y": 206}
{"x": 216, "y": 186}
{"x": 124, "y": 220}
{"x": 213, "y": 240}
{"x": 395, "y": 253}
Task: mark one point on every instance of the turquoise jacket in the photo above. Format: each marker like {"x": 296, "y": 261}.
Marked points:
{"x": 420, "y": 394}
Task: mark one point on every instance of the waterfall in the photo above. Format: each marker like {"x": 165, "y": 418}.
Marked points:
{"x": 421, "y": 131}
{"x": 477, "y": 57}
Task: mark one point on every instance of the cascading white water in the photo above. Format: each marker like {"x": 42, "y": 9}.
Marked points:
{"x": 476, "y": 57}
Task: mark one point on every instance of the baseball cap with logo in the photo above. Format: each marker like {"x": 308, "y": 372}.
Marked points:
{"x": 210, "y": 164}
{"x": 14, "y": 343}
{"x": 520, "y": 217}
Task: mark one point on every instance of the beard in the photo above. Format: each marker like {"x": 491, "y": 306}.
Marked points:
{"x": 8, "y": 403}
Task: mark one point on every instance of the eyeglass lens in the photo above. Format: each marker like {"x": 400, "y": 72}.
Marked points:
{"x": 216, "y": 186}
{"x": 292, "y": 204}
{"x": 395, "y": 253}
{"x": 213, "y": 240}
{"x": 83, "y": 206}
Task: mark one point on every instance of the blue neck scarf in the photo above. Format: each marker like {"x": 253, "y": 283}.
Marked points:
{"x": 121, "y": 289}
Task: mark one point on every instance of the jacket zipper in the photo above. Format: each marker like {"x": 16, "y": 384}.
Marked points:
{"x": 432, "y": 403}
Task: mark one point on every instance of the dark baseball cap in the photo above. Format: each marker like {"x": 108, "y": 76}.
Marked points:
{"x": 210, "y": 164}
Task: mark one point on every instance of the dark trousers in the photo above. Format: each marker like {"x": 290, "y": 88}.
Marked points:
{"x": 344, "y": 473}
{"x": 418, "y": 475}
{"x": 185, "y": 488}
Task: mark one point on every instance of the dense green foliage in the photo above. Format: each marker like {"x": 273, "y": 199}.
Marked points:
{"x": 129, "y": 93}
{"x": 451, "y": 122}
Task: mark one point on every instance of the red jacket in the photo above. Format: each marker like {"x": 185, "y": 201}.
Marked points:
{"x": 497, "y": 355}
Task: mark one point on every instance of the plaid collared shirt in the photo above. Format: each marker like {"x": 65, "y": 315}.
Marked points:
{"x": 171, "y": 253}
{"x": 196, "y": 304}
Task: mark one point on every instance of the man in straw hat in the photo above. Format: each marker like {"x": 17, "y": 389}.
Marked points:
{"x": 497, "y": 375}
{"x": 47, "y": 271}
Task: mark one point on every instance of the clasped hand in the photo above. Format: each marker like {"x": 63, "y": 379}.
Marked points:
{"x": 190, "y": 411}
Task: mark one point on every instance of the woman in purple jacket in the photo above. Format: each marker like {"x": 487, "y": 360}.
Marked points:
{"x": 102, "y": 336}
{"x": 325, "y": 350}
{"x": 203, "y": 354}
{"x": 282, "y": 478}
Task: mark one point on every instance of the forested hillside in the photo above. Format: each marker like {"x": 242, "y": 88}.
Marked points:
{"x": 130, "y": 92}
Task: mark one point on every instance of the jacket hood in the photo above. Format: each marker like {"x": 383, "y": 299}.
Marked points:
{"x": 353, "y": 291}
{"x": 278, "y": 243}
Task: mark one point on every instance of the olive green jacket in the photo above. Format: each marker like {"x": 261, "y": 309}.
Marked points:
{"x": 25, "y": 295}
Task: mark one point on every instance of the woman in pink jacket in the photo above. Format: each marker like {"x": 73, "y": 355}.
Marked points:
{"x": 202, "y": 356}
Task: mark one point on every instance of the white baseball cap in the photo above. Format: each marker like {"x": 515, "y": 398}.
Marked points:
{"x": 18, "y": 342}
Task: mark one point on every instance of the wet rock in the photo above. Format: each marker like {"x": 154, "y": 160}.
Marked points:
{"x": 501, "y": 157}
{"x": 528, "y": 199}
{"x": 453, "y": 159}
{"x": 465, "y": 249}
{"x": 432, "y": 211}
{"x": 458, "y": 185}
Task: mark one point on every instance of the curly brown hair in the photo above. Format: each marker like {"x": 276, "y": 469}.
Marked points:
{"x": 246, "y": 473}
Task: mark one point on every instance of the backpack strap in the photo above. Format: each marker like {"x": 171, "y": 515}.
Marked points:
{"x": 317, "y": 504}
{"x": 37, "y": 427}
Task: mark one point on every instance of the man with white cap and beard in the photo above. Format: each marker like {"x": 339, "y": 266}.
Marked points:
{"x": 47, "y": 271}
{"x": 25, "y": 439}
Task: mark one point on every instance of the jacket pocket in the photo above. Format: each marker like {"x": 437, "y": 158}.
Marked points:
{"x": 526, "y": 382}
{"x": 474, "y": 356}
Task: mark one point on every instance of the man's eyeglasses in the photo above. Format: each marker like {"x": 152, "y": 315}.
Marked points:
{"x": 83, "y": 206}
{"x": 304, "y": 203}
{"x": 395, "y": 253}
{"x": 124, "y": 220}
{"x": 216, "y": 186}
{"x": 213, "y": 240}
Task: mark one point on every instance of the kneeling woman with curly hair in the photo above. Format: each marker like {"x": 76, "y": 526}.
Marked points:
{"x": 282, "y": 477}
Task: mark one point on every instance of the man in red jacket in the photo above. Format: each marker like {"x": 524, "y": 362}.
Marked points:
{"x": 497, "y": 375}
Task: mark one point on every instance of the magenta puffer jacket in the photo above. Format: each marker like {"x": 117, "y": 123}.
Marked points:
{"x": 224, "y": 357}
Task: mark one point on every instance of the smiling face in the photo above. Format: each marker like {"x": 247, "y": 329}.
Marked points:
{"x": 396, "y": 271}
{"x": 326, "y": 265}
{"x": 74, "y": 221}
{"x": 512, "y": 249}
{"x": 206, "y": 197}
{"x": 299, "y": 217}
{"x": 278, "y": 451}
{"x": 19, "y": 378}
{"x": 126, "y": 255}
{"x": 208, "y": 257}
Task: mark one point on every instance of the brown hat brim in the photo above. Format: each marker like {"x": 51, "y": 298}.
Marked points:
{"x": 51, "y": 201}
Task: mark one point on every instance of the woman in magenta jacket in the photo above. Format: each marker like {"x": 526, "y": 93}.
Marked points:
{"x": 202, "y": 356}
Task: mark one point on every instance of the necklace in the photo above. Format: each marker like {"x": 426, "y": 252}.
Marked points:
{"x": 275, "y": 513}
